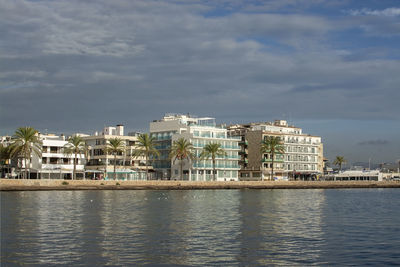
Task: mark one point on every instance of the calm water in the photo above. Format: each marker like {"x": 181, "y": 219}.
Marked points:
{"x": 210, "y": 227}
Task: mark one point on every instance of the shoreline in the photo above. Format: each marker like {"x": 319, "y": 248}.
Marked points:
{"x": 43, "y": 185}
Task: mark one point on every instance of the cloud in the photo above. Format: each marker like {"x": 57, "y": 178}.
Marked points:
{"x": 377, "y": 142}
{"x": 114, "y": 59}
{"x": 388, "y": 12}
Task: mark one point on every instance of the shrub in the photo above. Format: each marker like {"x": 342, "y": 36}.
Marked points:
{"x": 65, "y": 183}
{"x": 102, "y": 184}
{"x": 117, "y": 183}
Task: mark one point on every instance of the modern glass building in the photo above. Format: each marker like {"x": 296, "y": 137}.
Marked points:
{"x": 200, "y": 132}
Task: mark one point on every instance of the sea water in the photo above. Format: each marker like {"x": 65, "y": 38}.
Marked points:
{"x": 201, "y": 227}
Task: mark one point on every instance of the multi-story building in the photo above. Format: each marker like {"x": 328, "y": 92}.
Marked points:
{"x": 51, "y": 163}
{"x": 5, "y": 162}
{"x": 303, "y": 157}
{"x": 200, "y": 132}
{"x": 101, "y": 165}
{"x": 54, "y": 163}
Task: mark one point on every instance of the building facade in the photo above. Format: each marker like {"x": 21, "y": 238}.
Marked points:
{"x": 51, "y": 163}
{"x": 54, "y": 163}
{"x": 101, "y": 165}
{"x": 199, "y": 132}
{"x": 303, "y": 157}
{"x": 6, "y": 168}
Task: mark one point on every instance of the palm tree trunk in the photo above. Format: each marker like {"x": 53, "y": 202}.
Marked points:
{"x": 181, "y": 160}
{"x": 19, "y": 165}
{"x": 115, "y": 166}
{"x": 147, "y": 166}
{"x": 26, "y": 167}
{"x": 272, "y": 171}
{"x": 74, "y": 173}
{"x": 213, "y": 161}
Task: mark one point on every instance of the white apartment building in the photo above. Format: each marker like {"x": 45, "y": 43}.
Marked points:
{"x": 200, "y": 132}
{"x": 54, "y": 163}
{"x": 100, "y": 165}
{"x": 6, "y": 169}
{"x": 303, "y": 157}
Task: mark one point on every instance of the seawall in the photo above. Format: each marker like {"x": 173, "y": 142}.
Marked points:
{"x": 44, "y": 184}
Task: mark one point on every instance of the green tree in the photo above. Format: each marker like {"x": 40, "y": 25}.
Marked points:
{"x": 115, "y": 147}
{"x": 146, "y": 147}
{"x": 212, "y": 150}
{"x": 181, "y": 149}
{"x": 339, "y": 161}
{"x": 272, "y": 145}
{"x": 75, "y": 146}
{"x": 25, "y": 142}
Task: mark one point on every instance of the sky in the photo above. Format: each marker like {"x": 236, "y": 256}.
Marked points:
{"x": 331, "y": 67}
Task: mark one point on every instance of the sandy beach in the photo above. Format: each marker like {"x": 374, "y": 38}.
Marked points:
{"x": 34, "y": 185}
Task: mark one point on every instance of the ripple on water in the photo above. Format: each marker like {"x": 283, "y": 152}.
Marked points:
{"x": 210, "y": 227}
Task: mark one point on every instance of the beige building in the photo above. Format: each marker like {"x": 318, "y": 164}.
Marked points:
{"x": 303, "y": 157}
{"x": 100, "y": 165}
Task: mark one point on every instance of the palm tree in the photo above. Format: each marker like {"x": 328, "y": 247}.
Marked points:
{"x": 114, "y": 147}
{"x": 212, "y": 150}
{"x": 339, "y": 160}
{"x": 272, "y": 145}
{"x": 181, "y": 149}
{"x": 26, "y": 141}
{"x": 75, "y": 146}
{"x": 146, "y": 147}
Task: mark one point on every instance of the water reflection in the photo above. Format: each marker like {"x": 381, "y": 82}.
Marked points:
{"x": 212, "y": 227}
{"x": 121, "y": 226}
{"x": 280, "y": 226}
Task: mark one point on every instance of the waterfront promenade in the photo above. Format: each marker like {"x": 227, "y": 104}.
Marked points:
{"x": 33, "y": 185}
